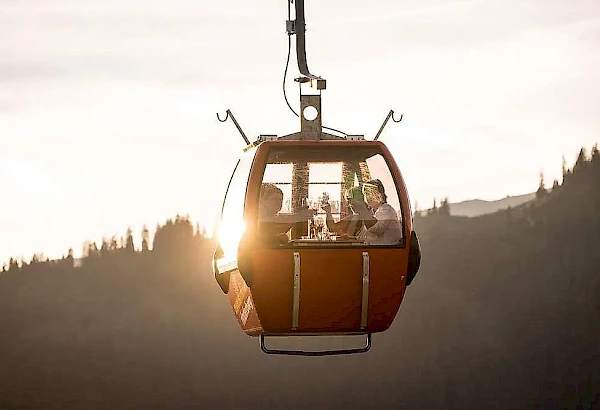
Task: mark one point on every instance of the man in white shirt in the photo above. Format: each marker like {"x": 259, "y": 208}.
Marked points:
{"x": 384, "y": 228}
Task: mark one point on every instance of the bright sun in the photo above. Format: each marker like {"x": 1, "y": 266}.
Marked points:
{"x": 230, "y": 233}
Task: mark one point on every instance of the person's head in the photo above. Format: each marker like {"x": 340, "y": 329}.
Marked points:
{"x": 374, "y": 193}
{"x": 271, "y": 198}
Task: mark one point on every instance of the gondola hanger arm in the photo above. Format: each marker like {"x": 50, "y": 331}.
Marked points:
{"x": 228, "y": 114}
{"x": 395, "y": 120}
{"x": 297, "y": 27}
{"x": 390, "y": 115}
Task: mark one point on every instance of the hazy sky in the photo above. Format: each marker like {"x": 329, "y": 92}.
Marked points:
{"x": 107, "y": 109}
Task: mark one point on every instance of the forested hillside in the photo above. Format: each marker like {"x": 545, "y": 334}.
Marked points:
{"x": 504, "y": 314}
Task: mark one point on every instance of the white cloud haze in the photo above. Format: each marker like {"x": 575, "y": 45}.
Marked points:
{"x": 107, "y": 109}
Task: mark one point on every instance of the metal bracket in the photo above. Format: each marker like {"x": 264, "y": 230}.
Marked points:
{"x": 296, "y": 300}
{"x": 390, "y": 114}
{"x": 229, "y": 114}
{"x": 267, "y": 137}
{"x": 355, "y": 137}
{"x": 364, "y": 349}
{"x": 311, "y": 128}
{"x": 290, "y": 26}
{"x": 298, "y": 27}
{"x": 365, "y": 291}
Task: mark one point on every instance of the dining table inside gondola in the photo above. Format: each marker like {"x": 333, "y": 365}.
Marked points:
{"x": 319, "y": 242}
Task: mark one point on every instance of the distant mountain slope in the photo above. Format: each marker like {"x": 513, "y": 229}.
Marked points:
{"x": 476, "y": 207}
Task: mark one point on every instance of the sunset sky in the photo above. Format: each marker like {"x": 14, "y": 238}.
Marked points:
{"x": 107, "y": 108}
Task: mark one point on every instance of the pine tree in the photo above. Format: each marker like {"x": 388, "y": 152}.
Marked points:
{"x": 93, "y": 250}
{"x": 565, "y": 170}
{"x": 445, "y": 207}
{"x": 581, "y": 159}
{"x": 105, "y": 248}
{"x": 114, "y": 244}
{"x": 541, "y": 192}
{"x": 595, "y": 154}
{"x": 13, "y": 265}
{"x": 145, "y": 238}
{"x": 38, "y": 258}
{"x": 434, "y": 210}
{"x": 129, "y": 247}
{"x": 417, "y": 212}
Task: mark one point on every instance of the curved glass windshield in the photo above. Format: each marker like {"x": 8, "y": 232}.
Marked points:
{"x": 231, "y": 226}
{"x": 331, "y": 196}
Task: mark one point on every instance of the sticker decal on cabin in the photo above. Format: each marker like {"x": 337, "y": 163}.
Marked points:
{"x": 248, "y": 306}
{"x": 241, "y": 295}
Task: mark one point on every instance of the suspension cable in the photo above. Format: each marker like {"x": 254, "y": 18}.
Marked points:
{"x": 286, "y": 69}
{"x": 285, "y": 72}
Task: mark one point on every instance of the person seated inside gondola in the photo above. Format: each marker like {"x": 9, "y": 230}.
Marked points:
{"x": 384, "y": 228}
{"x": 273, "y": 227}
{"x": 354, "y": 223}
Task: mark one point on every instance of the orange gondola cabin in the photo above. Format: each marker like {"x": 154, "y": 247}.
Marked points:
{"x": 316, "y": 234}
{"x": 309, "y": 279}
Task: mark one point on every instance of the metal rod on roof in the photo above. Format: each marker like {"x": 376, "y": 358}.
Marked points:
{"x": 229, "y": 114}
{"x": 390, "y": 115}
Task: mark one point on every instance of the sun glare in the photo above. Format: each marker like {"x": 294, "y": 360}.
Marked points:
{"x": 229, "y": 235}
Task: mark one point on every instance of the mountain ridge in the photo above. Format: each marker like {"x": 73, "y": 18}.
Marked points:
{"x": 477, "y": 207}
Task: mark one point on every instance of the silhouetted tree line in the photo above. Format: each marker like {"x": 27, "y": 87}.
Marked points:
{"x": 176, "y": 235}
{"x": 443, "y": 209}
{"x": 576, "y": 180}
{"x": 503, "y": 314}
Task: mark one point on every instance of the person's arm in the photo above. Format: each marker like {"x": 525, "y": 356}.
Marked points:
{"x": 379, "y": 227}
{"x": 366, "y": 216}
{"x": 339, "y": 227}
{"x": 332, "y": 226}
{"x": 384, "y": 220}
{"x": 289, "y": 219}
